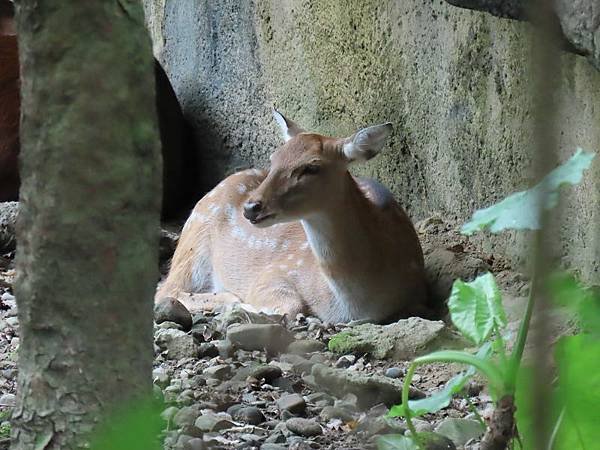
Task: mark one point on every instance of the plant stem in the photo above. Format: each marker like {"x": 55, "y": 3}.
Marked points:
{"x": 556, "y": 428}
{"x": 407, "y": 411}
{"x": 517, "y": 353}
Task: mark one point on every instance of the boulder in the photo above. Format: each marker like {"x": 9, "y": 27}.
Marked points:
{"x": 402, "y": 340}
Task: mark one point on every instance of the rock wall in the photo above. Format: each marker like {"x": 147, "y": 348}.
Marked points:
{"x": 455, "y": 83}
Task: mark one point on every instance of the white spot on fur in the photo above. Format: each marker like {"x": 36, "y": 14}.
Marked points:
{"x": 290, "y": 257}
{"x": 283, "y": 267}
{"x": 304, "y": 246}
{"x": 242, "y": 188}
{"x": 299, "y": 262}
{"x": 213, "y": 208}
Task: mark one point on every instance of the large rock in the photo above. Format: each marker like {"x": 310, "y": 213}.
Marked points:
{"x": 401, "y": 340}
{"x": 369, "y": 389}
{"x": 577, "y": 21}
{"x": 454, "y": 82}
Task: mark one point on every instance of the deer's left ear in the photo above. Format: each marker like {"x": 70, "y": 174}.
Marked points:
{"x": 366, "y": 143}
{"x": 288, "y": 128}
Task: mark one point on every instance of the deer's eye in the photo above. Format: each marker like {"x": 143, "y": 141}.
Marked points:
{"x": 309, "y": 169}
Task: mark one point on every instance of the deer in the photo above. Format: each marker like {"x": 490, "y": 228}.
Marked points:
{"x": 305, "y": 236}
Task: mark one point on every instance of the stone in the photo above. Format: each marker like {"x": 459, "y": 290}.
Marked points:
{"x": 292, "y": 403}
{"x": 272, "y": 338}
{"x": 212, "y": 422}
{"x": 435, "y": 441}
{"x": 460, "y": 431}
{"x": 8, "y": 220}
{"x": 300, "y": 365}
{"x": 266, "y": 372}
{"x": 334, "y": 412}
{"x": 345, "y": 361}
{"x": 249, "y": 414}
{"x": 169, "y": 413}
{"x": 176, "y": 343}
{"x": 160, "y": 377}
{"x": 369, "y": 389}
{"x": 170, "y": 309}
{"x": 394, "y": 372}
{"x": 195, "y": 444}
{"x": 186, "y": 415}
{"x": 303, "y": 427}
{"x": 9, "y": 400}
{"x": 207, "y": 350}
{"x": 402, "y": 340}
{"x": 270, "y": 446}
{"x": 219, "y": 372}
{"x": 304, "y": 346}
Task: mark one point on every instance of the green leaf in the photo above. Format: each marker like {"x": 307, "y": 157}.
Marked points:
{"x": 522, "y": 210}
{"x": 476, "y": 307}
{"x": 441, "y": 399}
{"x": 579, "y": 392}
{"x": 395, "y": 442}
{"x": 136, "y": 427}
{"x": 584, "y": 302}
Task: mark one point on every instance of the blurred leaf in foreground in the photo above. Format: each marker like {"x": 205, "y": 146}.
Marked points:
{"x": 521, "y": 211}
{"x": 136, "y": 427}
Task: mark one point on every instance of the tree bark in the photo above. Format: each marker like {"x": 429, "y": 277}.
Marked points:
{"x": 89, "y": 217}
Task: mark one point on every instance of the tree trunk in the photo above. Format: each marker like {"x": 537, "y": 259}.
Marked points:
{"x": 89, "y": 217}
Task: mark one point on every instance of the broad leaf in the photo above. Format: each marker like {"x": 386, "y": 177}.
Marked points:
{"x": 522, "y": 210}
{"x": 395, "y": 442}
{"x": 476, "y": 307}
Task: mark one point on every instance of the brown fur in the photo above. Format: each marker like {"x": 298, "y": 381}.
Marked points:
{"x": 364, "y": 260}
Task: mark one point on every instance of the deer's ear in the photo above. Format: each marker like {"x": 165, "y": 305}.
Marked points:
{"x": 367, "y": 142}
{"x": 288, "y": 128}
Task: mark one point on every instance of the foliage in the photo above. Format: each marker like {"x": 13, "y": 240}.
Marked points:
{"x": 133, "y": 428}
{"x": 576, "y": 395}
{"x": 476, "y": 311}
{"x": 522, "y": 210}
{"x": 395, "y": 442}
{"x": 476, "y": 308}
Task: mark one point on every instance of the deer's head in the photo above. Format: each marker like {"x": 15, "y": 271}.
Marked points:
{"x": 308, "y": 172}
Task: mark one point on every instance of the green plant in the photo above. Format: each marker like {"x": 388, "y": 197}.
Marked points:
{"x": 476, "y": 310}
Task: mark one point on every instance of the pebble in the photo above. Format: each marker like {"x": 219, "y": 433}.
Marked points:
{"x": 220, "y": 371}
{"x": 249, "y": 414}
{"x": 8, "y": 400}
{"x": 212, "y": 422}
{"x": 266, "y": 372}
{"x": 172, "y": 310}
{"x": 187, "y": 415}
{"x": 195, "y": 444}
{"x": 394, "y": 372}
{"x": 303, "y": 427}
{"x": 292, "y": 403}
{"x": 332, "y": 412}
{"x": 345, "y": 361}
{"x": 272, "y": 338}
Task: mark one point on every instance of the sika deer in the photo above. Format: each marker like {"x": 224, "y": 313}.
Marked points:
{"x": 306, "y": 236}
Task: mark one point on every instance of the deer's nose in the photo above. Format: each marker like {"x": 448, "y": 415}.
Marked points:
{"x": 252, "y": 209}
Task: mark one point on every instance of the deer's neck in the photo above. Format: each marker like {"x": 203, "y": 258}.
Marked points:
{"x": 339, "y": 239}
